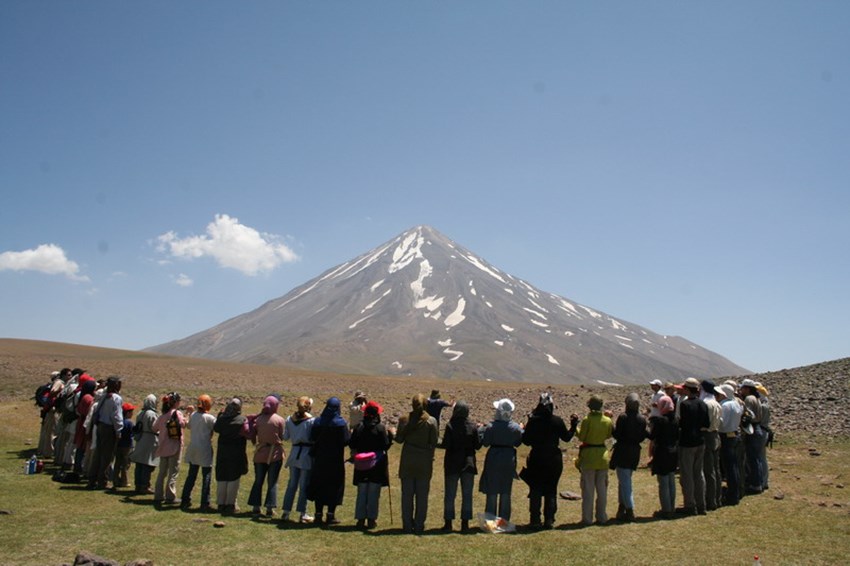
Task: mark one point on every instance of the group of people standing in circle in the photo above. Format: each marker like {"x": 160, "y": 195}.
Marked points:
{"x": 696, "y": 428}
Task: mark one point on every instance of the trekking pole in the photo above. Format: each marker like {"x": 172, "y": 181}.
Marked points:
{"x": 389, "y": 489}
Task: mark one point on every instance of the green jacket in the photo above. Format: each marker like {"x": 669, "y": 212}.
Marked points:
{"x": 593, "y": 431}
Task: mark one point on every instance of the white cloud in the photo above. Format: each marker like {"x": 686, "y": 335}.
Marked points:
{"x": 184, "y": 280}
{"x": 232, "y": 245}
{"x": 46, "y": 258}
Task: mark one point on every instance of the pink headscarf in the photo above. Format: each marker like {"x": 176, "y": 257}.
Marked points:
{"x": 665, "y": 405}
{"x": 270, "y": 405}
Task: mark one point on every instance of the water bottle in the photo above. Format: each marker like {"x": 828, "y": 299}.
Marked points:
{"x": 26, "y": 467}
{"x": 31, "y": 465}
{"x": 756, "y": 561}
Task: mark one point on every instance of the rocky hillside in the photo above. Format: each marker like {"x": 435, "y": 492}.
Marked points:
{"x": 808, "y": 400}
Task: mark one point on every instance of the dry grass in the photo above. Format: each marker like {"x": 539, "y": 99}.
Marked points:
{"x": 49, "y": 522}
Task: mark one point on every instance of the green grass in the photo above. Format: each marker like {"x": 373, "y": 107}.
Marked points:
{"x": 50, "y": 522}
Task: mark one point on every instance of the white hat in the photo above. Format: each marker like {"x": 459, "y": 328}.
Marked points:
{"x": 656, "y": 382}
{"x": 504, "y": 405}
{"x": 727, "y": 390}
{"x": 721, "y": 390}
{"x": 748, "y": 383}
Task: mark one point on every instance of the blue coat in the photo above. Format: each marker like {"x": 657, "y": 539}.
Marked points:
{"x": 502, "y": 437}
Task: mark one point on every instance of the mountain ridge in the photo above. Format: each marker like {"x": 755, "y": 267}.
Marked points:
{"x": 421, "y": 304}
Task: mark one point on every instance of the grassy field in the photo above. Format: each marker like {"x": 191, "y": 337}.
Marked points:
{"x": 43, "y": 522}
{"x": 48, "y": 523}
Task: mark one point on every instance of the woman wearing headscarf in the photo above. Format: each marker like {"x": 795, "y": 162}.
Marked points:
{"x": 418, "y": 433}
{"x": 144, "y": 453}
{"x": 665, "y": 435}
{"x": 231, "y": 458}
{"x": 369, "y": 444}
{"x": 199, "y": 453}
{"x": 629, "y": 432}
{"x": 169, "y": 427}
{"x": 502, "y": 436}
{"x": 82, "y": 439}
{"x": 299, "y": 426}
{"x": 460, "y": 440}
{"x": 545, "y": 463}
{"x": 268, "y": 456}
{"x": 330, "y": 436}
{"x": 593, "y": 431}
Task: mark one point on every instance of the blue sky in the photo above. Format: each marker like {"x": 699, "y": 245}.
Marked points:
{"x": 679, "y": 165}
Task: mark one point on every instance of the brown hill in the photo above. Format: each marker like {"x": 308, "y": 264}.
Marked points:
{"x": 807, "y": 400}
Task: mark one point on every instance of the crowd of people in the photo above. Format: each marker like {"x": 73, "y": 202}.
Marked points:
{"x": 713, "y": 435}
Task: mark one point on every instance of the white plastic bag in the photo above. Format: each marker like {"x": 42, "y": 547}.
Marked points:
{"x": 493, "y": 524}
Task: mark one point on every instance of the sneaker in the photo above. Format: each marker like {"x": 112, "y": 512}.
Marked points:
{"x": 306, "y": 518}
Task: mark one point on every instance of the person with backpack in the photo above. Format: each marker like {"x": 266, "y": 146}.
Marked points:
{"x": 593, "y": 431}
{"x": 169, "y": 428}
{"x": 199, "y": 453}
{"x": 147, "y": 441}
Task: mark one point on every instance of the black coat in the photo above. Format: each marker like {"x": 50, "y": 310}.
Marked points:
{"x": 545, "y": 463}
{"x": 231, "y": 458}
{"x": 629, "y": 432}
{"x": 371, "y": 436}
{"x": 327, "y": 477}
{"x": 460, "y": 440}
{"x": 665, "y": 455}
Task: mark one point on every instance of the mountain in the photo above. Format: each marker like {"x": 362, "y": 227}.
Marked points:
{"x": 421, "y": 304}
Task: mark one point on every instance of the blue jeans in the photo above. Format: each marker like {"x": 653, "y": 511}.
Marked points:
{"x": 667, "y": 492}
{"x": 625, "y": 496}
{"x": 299, "y": 478}
{"x": 368, "y": 497}
{"x": 262, "y": 470}
{"x": 206, "y": 478}
{"x": 753, "y": 445}
{"x": 467, "y": 483}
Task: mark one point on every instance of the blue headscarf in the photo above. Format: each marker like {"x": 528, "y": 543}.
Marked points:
{"x": 331, "y": 414}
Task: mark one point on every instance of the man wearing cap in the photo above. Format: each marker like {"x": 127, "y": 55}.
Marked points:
{"x": 753, "y": 438}
{"x": 657, "y": 392}
{"x": 711, "y": 456}
{"x": 109, "y": 420}
{"x": 730, "y": 421}
{"x": 693, "y": 421}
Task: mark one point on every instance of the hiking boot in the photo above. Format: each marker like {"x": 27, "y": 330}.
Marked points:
{"x": 269, "y": 512}
{"x": 464, "y": 525}
{"x": 447, "y": 526}
{"x": 371, "y": 523}
{"x": 629, "y": 515}
{"x": 361, "y": 523}
{"x": 621, "y": 512}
